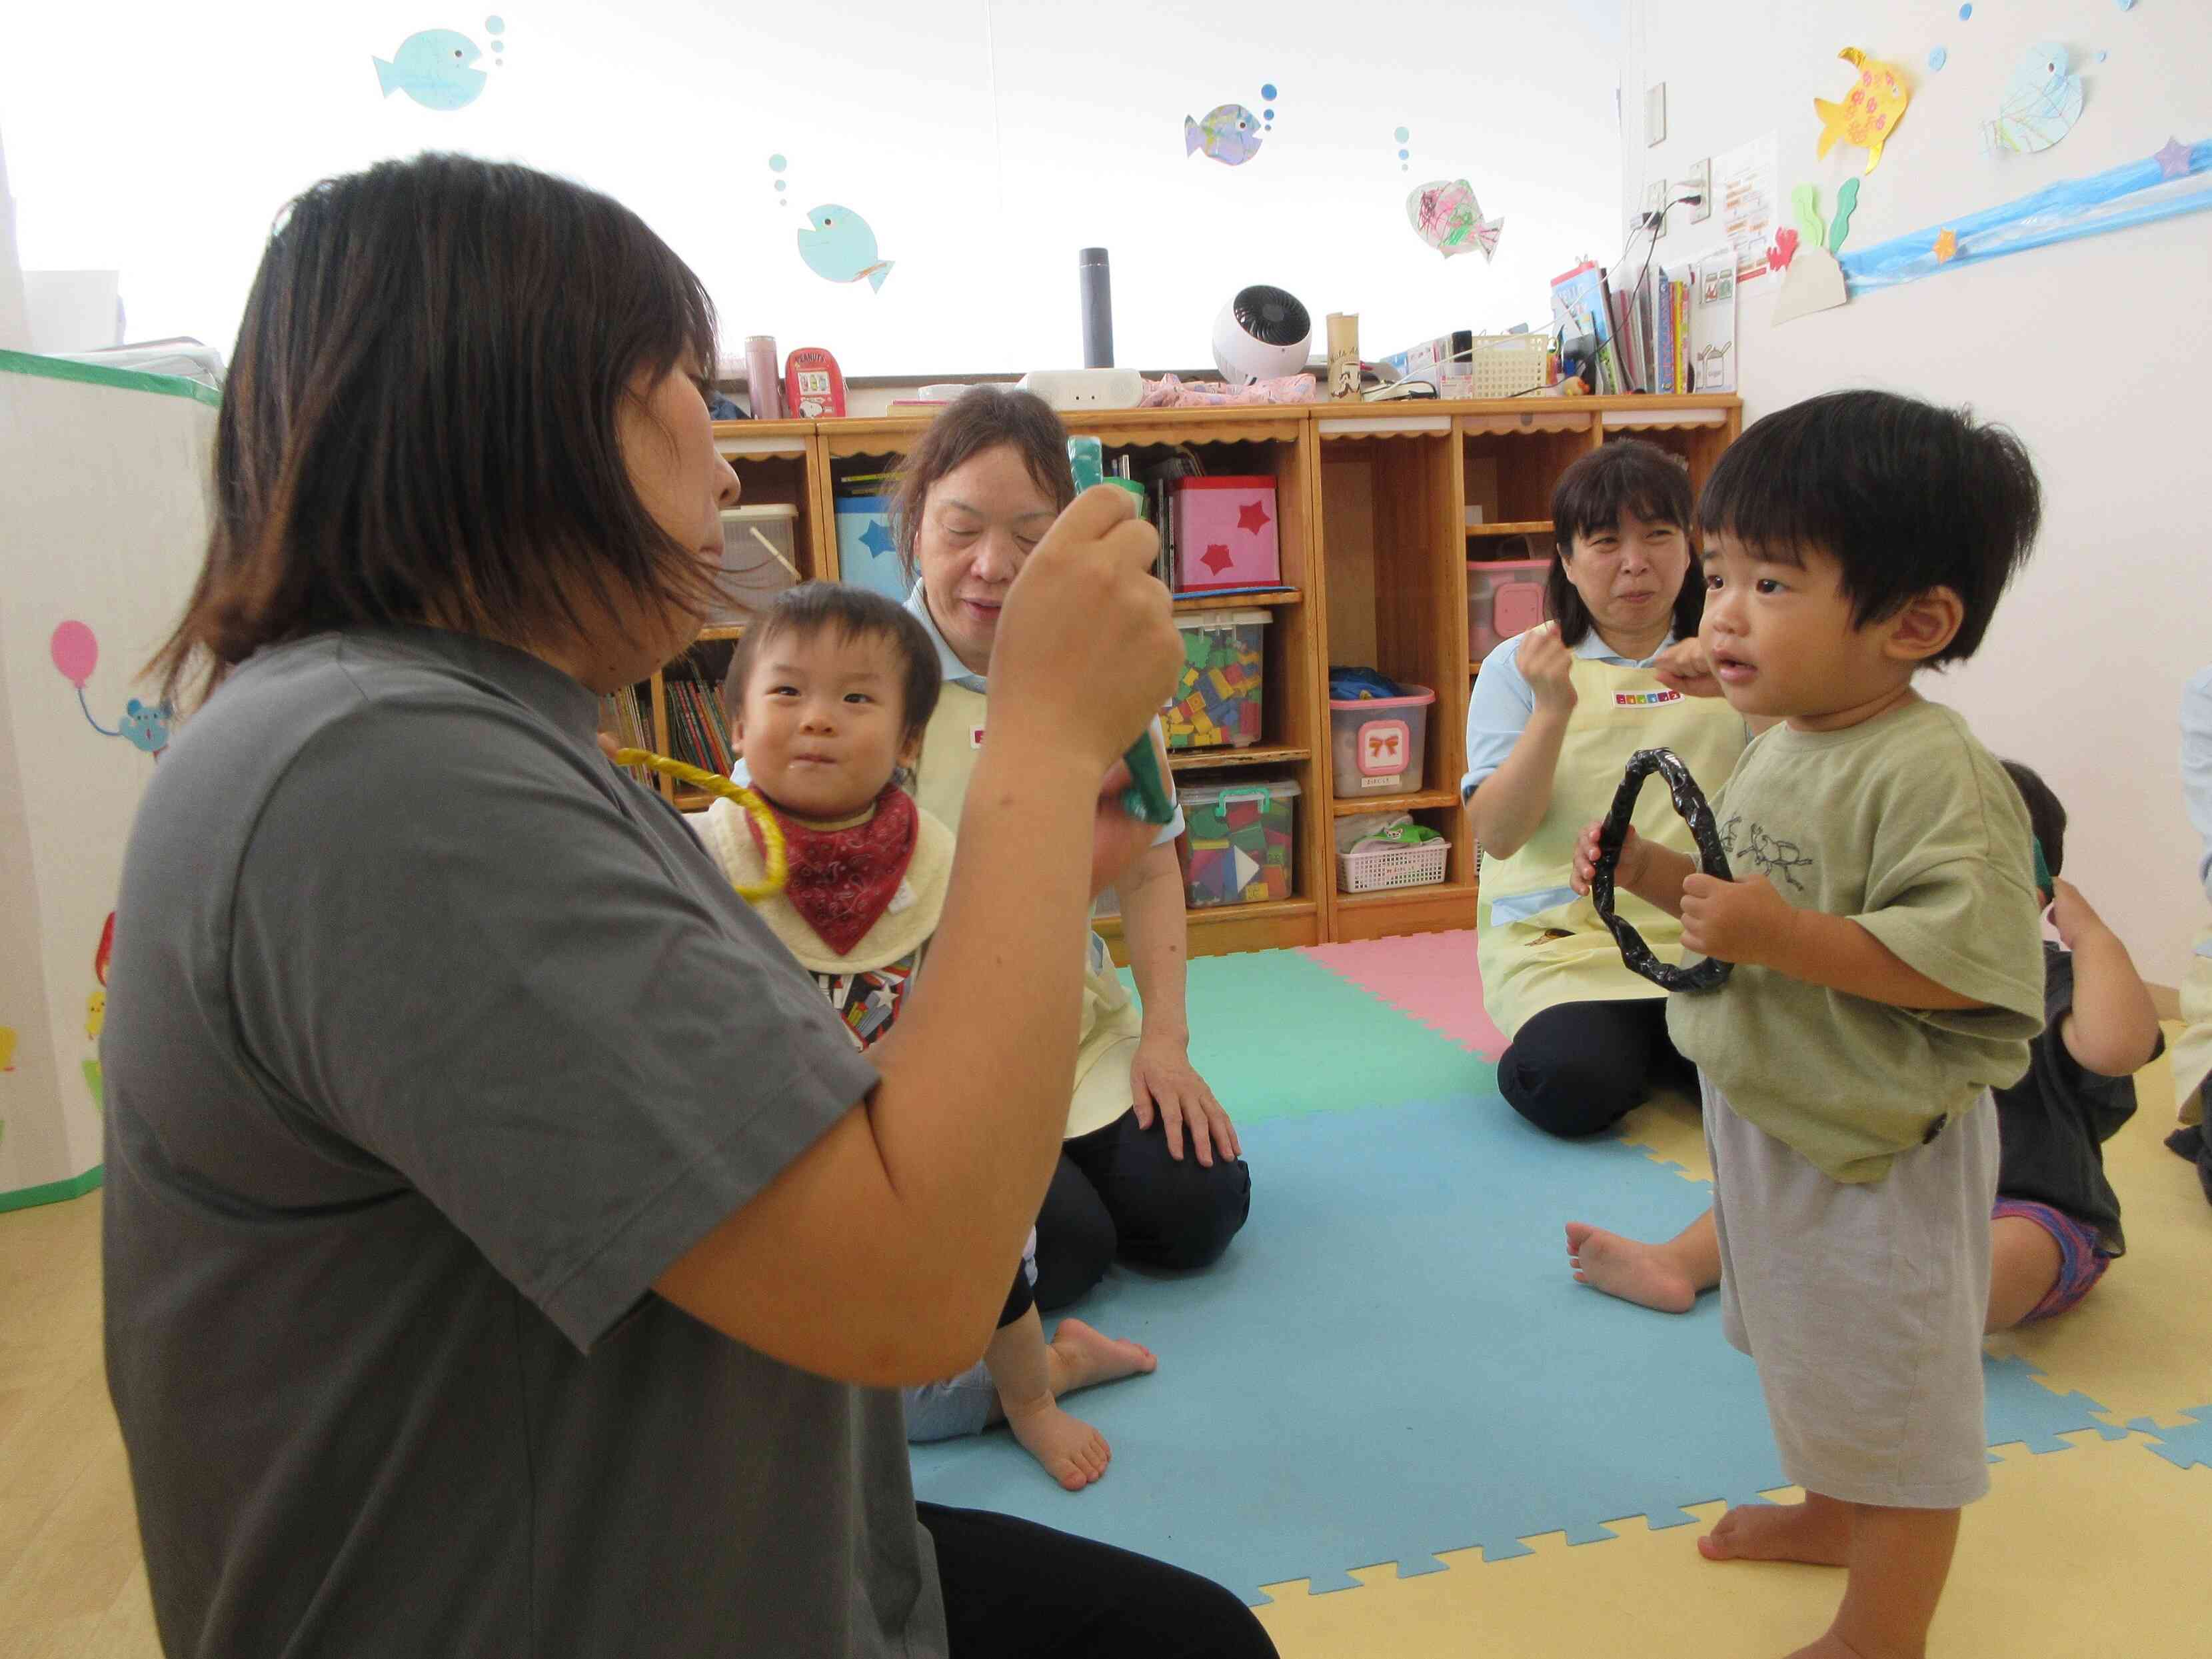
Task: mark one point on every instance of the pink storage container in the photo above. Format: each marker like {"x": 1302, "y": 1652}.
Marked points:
{"x": 1376, "y": 744}
{"x": 1224, "y": 534}
{"x": 1504, "y": 598}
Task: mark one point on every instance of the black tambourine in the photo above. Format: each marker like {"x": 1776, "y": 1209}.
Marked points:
{"x": 1697, "y": 811}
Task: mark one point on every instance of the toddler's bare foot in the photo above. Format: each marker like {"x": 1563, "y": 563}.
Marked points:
{"x": 1630, "y": 1269}
{"x": 1820, "y": 1535}
{"x": 1072, "y": 1452}
{"x": 1078, "y": 1357}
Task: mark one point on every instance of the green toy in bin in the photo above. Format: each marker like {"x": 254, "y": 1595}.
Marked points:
{"x": 1146, "y": 798}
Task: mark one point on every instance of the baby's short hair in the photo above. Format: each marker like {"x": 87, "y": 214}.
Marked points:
{"x": 1904, "y": 496}
{"x": 811, "y": 608}
{"x": 2046, "y": 813}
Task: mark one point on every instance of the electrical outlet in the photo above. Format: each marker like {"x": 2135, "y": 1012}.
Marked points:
{"x": 1655, "y": 199}
{"x": 1700, "y": 183}
{"x": 1655, "y": 115}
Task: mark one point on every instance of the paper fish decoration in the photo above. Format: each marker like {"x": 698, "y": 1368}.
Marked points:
{"x": 838, "y": 246}
{"x": 1445, "y": 215}
{"x": 1871, "y": 114}
{"x": 432, "y": 68}
{"x": 1230, "y": 134}
{"x": 2041, "y": 103}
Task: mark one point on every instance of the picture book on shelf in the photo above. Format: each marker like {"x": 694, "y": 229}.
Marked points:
{"x": 1580, "y": 309}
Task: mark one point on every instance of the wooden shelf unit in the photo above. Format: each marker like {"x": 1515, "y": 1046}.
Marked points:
{"x": 1370, "y": 505}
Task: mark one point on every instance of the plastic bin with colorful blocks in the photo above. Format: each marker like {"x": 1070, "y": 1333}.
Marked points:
{"x": 1237, "y": 842}
{"x": 1217, "y": 701}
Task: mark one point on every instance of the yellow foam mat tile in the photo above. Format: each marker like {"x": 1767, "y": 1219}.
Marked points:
{"x": 2093, "y": 1551}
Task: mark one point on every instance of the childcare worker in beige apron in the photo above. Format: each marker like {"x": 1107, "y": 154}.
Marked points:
{"x": 1150, "y": 1170}
{"x": 1554, "y": 716}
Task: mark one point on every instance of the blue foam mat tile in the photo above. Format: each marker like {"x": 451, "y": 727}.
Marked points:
{"x": 2022, "y": 1408}
{"x": 2187, "y": 1446}
{"x": 1393, "y": 1362}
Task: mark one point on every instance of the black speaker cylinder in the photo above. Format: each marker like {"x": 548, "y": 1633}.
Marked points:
{"x": 1097, "y": 292}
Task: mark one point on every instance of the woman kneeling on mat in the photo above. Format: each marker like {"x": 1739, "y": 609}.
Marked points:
{"x": 1555, "y": 715}
{"x": 1150, "y": 1170}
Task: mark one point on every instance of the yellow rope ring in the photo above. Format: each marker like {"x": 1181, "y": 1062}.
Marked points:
{"x": 771, "y": 833}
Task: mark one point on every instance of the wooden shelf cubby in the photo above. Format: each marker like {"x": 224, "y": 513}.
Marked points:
{"x": 1371, "y": 517}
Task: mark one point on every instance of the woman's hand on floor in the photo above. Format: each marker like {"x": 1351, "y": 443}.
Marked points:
{"x": 1162, "y": 1080}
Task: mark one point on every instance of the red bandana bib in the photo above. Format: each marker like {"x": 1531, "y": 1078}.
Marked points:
{"x": 841, "y": 880}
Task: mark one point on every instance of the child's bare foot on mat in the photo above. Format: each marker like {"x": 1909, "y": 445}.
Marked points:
{"x": 1079, "y": 1357}
{"x": 1630, "y": 1269}
{"x": 1820, "y": 1533}
{"x": 1072, "y": 1452}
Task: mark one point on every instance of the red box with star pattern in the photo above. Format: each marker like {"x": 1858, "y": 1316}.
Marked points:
{"x": 1224, "y": 534}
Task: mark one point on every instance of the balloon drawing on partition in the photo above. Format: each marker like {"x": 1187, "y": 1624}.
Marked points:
{"x": 146, "y": 726}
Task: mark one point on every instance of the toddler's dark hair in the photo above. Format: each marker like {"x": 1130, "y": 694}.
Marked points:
{"x": 1904, "y": 496}
{"x": 1625, "y": 475}
{"x": 810, "y": 609}
{"x": 2046, "y": 813}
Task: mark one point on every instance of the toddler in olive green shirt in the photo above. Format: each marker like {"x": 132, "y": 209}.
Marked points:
{"x": 1883, "y": 923}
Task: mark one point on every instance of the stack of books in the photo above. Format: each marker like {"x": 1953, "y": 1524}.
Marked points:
{"x": 1640, "y": 322}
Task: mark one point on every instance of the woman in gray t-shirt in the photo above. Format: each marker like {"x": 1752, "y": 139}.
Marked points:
{"x": 505, "y": 1251}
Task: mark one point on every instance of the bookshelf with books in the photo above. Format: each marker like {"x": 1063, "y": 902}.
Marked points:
{"x": 1378, "y": 510}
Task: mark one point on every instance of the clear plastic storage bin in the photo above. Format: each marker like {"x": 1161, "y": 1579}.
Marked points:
{"x": 1504, "y": 598}
{"x": 1376, "y": 744}
{"x": 1218, "y": 701}
{"x": 1237, "y": 842}
{"x": 760, "y": 559}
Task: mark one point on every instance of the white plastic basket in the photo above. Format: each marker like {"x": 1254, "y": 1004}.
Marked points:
{"x": 1507, "y": 365}
{"x": 1374, "y": 868}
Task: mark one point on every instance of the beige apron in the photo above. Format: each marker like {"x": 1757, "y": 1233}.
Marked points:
{"x": 2192, "y": 1053}
{"x": 1537, "y": 943}
{"x": 1111, "y": 1022}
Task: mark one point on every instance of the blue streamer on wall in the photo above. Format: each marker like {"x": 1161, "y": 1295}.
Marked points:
{"x": 2159, "y": 186}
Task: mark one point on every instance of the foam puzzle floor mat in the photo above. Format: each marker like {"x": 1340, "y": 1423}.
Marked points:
{"x": 1392, "y": 1362}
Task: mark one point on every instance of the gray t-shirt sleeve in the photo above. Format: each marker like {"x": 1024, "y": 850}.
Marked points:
{"x": 474, "y": 954}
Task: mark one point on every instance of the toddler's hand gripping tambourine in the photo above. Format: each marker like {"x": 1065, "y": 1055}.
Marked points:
{"x": 1697, "y": 812}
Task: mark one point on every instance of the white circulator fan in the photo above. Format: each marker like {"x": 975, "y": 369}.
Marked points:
{"x": 1261, "y": 334}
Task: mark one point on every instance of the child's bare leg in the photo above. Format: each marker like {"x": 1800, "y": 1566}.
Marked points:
{"x": 1899, "y": 1560}
{"x": 2024, "y": 1266}
{"x": 1665, "y": 1276}
{"x": 1072, "y": 1452}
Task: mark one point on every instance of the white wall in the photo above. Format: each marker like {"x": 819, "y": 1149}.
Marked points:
{"x": 2098, "y": 352}
{"x": 983, "y": 141}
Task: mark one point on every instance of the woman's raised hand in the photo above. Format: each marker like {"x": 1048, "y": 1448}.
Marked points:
{"x": 1087, "y": 642}
{"x": 1548, "y": 666}
{"x": 1685, "y": 667}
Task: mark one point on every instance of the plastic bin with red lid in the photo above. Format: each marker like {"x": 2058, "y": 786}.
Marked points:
{"x": 1376, "y": 744}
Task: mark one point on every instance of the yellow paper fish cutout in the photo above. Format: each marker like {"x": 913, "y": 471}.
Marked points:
{"x": 1872, "y": 111}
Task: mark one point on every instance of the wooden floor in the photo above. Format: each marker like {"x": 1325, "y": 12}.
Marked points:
{"x": 72, "y": 1585}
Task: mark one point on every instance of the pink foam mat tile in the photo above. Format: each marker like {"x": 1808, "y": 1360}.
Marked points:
{"x": 1428, "y": 977}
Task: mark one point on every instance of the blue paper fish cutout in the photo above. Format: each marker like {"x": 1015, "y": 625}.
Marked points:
{"x": 837, "y": 245}
{"x": 2042, "y": 102}
{"x": 1230, "y": 134}
{"x": 432, "y": 68}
